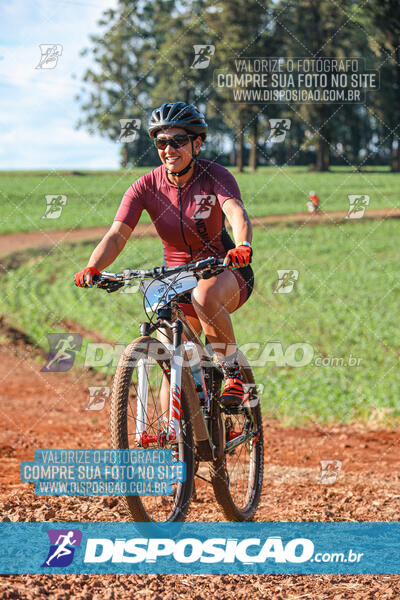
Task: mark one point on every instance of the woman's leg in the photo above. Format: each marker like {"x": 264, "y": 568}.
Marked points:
{"x": 214, "y": 299}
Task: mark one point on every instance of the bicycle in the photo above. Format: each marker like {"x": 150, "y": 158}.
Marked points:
{"x": 196, "y": 428}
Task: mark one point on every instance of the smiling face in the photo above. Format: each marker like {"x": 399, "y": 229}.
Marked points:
{"x": 176, "y": 159}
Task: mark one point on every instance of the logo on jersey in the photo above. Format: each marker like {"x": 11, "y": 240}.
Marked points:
{"x": 62, "y": 546}
{"x": 204, "y": 204}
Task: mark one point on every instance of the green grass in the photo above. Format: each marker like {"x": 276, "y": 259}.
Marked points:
{"x": 344, "y": 304}
{"x": 93, "y": 199}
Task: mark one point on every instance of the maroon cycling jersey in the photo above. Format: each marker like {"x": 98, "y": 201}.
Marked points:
{"x": 188, "y": 218}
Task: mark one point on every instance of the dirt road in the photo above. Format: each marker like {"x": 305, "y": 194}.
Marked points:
{"x": 12, "y": 242}
{"x": 48, "y": 410}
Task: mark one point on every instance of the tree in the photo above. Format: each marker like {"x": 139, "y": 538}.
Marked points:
{"x": 119, "y": 86}
{"x": 319, "y": 29}
{"x": 242, "y": 29}
{"x": 382, "y": 18}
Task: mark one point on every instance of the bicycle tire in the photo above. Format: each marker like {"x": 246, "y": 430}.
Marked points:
{"x": 219, "y": 473}
{"x": 138, "y": 506}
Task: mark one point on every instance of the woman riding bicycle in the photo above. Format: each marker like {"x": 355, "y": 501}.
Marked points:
{"x": 187, "y": 200}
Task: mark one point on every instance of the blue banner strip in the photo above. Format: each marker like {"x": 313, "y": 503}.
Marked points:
{"x": 200, "y": 548}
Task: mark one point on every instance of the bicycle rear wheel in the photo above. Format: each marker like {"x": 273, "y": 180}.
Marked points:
{"x": 135, "y": 408}
{"x": 237, "y": 477}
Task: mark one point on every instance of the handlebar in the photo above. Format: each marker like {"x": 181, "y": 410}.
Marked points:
{"x": 113, "y": 281}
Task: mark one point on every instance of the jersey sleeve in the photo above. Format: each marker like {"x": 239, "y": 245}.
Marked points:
{"x": 224, "y": 184}
{"x": 132, "y": 204}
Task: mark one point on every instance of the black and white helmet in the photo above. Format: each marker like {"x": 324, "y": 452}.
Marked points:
{"x": 178, "y": 114}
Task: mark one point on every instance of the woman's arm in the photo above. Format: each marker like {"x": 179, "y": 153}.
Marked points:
{"x": 110, "y": 246}
{"x": 239, "y": 220}
{"x": 105, "y": 253}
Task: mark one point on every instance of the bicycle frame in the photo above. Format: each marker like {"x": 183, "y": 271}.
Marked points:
{"x": 208, "y": 433}
{"x": 208, "y": 448}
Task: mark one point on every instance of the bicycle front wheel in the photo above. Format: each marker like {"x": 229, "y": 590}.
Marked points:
{"x": 136, "y": 414}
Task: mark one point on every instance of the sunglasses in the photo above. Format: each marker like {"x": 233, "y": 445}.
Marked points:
{"x": 177, "y": 141}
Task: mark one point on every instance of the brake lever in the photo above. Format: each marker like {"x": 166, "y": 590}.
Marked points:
{"x": 113, "y": 286}
{"x": 206, "y": 274}
{"x": 109, "y": 286}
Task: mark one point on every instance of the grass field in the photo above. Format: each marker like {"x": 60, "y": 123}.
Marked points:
{"x": 93, "y": 199}
{"x": 345, "y": 304}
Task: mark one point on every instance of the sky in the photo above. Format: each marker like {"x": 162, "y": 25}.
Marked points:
{"x": 38, "y": 112}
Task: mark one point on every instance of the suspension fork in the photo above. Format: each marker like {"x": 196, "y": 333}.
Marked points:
{"x": 143, "y": 386}
{"x": 175, "y": 382}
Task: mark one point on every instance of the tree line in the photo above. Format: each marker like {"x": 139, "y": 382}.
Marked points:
{"x": 145, "y": 56}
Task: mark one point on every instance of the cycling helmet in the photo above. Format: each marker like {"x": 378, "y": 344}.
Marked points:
{"x": 178, "y": 114}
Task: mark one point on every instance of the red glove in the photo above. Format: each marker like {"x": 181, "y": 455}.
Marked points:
{"x": 238, "y": 257}
{"x": 84, "y": 278}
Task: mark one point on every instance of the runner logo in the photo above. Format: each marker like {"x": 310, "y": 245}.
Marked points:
{"x": 49, "y": 55}
{"x": 329, "y": 471}
{"x": 62, "y": 547}
{"x": 285, "y": 282}
{"x": 204, "y": 204}
{"x": 357, "y": 205}
{"x": 54, "y": 206}
{"x": 129, "y": 130}
{"x": 202, "y": 56}
{"x": 62, "y": 351}
{"x": 279, "y": 129}
{"x": 97, "y": 397}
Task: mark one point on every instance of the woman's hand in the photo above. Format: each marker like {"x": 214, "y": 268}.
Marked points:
{"x": 238, "y": 257}
{"x": 84, "y": 278}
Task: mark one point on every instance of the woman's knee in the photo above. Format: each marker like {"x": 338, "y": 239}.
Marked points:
{"x": 204, "y": 297}
{"x": 222, "y": 293}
